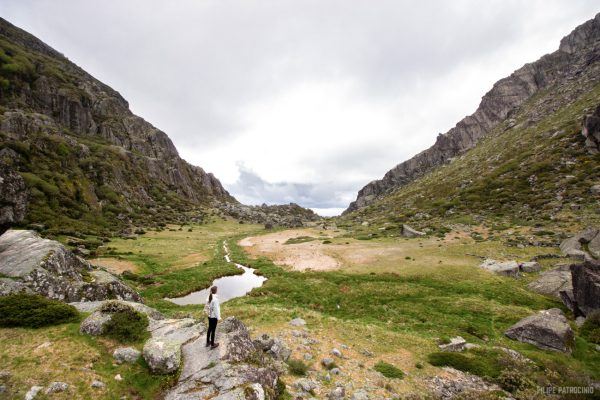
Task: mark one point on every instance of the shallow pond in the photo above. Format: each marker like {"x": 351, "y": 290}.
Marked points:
{"x": 229, "y": 286}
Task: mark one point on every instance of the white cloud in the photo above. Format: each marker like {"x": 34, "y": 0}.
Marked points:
{"x": 313, "y": 98}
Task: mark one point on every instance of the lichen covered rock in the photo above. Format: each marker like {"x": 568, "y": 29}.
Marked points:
{"x": 48, "y": 268}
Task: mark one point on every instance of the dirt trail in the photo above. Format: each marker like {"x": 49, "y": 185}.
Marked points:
{"x": 115, "y": 265}
{"x": 299, "y": 256}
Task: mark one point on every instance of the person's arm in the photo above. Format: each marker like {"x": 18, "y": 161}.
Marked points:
{"x": 217, "y": 309}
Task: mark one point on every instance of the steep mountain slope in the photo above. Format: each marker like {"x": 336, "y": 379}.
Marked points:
{"x": 90, "y": 164}
{"x": 573, "y": 68}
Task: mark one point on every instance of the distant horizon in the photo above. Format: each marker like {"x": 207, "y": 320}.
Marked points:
{"x": 284, "y": 105}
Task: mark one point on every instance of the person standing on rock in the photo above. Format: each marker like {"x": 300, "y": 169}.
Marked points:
{"x": 213, "y": 310}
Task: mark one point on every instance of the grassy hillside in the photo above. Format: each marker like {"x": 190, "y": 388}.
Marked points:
{"x": 533, "y": 170}
{"x": 91, "y": 166}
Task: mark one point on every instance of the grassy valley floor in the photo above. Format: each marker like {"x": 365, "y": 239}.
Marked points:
{"x": 387, "y": 299}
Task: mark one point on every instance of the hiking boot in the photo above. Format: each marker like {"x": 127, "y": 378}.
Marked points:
{"x": 214, "y": 346}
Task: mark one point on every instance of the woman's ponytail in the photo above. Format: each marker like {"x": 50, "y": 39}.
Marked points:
{"x": 212, "y": 291}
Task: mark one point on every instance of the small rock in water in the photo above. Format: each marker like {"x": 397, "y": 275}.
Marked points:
{"x": 97, "y": 384}
{"x": 57, "y": 387}
{"x": 336, "y": 353}
{"x": 33, "y": 392}
{"x": 297, "y": 322}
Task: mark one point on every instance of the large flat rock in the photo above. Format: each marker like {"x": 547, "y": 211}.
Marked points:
{"x": 230, "y": 371}
{"x": 553, "y": 281}
{"x": 48, "y": 268}
{"x": 548, "y": 330}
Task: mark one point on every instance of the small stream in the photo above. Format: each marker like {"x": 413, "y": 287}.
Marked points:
{"x": 229, "y": 286}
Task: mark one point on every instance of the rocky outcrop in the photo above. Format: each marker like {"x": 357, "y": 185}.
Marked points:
{"x": 13, "y": 197}
{"x": 577, "y": 52}
{"x": 58, "y": 102}
{"x": 236, "y": 369}
{"x": 284, "y": 215}
{"x": 505, "y": 268}
{"x": 410, "y": 232}
{"x": 46, "y": 267}
{"x": 454, "y": 383}
{"x": 126, "y": 355}
{"x": 585, "y": 245}
{"x": 548, "y": 329}
{"x": 591, "y": 131}
{"x": 586, "y": 286}
{"x": 162, "y": 351}
{"x": 553, "y": 281}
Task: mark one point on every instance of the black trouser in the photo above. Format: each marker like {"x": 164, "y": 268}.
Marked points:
{"x": 212, "y": 328}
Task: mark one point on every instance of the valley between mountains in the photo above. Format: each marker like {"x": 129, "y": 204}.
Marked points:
{"x": 470, "y": 271}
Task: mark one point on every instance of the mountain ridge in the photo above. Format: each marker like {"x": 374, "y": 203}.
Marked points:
{"x": 496, "y": 106}
{"x": 111, "y": 158}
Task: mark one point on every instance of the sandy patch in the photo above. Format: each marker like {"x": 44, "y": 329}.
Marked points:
{"x": 115, "y": 265}
{"x": 300, "y": 256}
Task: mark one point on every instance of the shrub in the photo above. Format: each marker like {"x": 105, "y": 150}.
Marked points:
{"x": 388, "y": 370}
{"x": 297, "y": 367}
{"x": 34, "y": 311}
{"x": 127, "y": 325}
{"x": 513, "y": 380}
{"x": 481, "y": 362}
{"x": 590, "y": 330}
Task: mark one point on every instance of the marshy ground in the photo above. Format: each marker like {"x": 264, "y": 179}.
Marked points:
{"x": 386, "y": 299}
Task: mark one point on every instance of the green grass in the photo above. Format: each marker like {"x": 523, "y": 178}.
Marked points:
{"x": 127, "y": 326}
{"x": 297, "y": 367}
{"x": 388, "y": 370}
{"x": 490, "y": 184}
{"x": 483, "y": 363}
{"x": 590, "y": 330}
{"x": 419, "y": 308}
{"x": 74, "y": 358}
{"x": 34, "y": 311}
{"x": 300, "y": 239}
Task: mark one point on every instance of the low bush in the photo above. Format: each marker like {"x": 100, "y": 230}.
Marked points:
{"x": 297, "y": 367}
{"x": 590, "y": 330}
{"x": 477, "y": 362}
{"x": 126, "y": 326}
{"x": 34, "y": 311}
{"x": 513, "y": 380}
{"x": 388, "y": 370}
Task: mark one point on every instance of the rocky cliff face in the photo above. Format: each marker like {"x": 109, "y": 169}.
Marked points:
{"x": 578, "y": 52}
{"x": 13, "y": 198}
{"x": 76, "y": 141}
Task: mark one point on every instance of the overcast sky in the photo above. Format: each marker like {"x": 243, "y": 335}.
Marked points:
{"x": 298, "y": 100}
